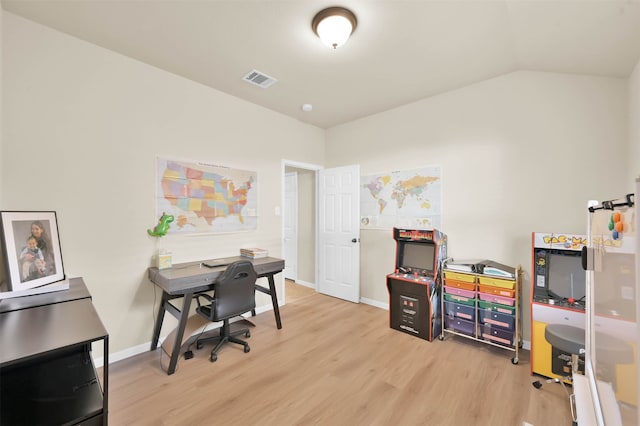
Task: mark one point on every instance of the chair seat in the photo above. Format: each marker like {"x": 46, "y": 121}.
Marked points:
{"x": 571, "y": 340}
{"x": 565, "y": 337}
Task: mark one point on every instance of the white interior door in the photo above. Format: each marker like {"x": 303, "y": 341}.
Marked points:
{"x": 290, "y": 239}
{"x": 339, "y": 232}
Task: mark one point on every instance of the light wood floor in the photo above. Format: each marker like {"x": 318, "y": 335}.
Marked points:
{"x": 335, "y": 363}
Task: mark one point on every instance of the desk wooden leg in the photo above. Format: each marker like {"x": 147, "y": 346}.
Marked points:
{"x": 159, "y": 318}
{"x": 182, "y": 323}
{"x": 274, "y": 300}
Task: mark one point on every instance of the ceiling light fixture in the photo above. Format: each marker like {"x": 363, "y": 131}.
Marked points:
{"x": 334, "y": 25}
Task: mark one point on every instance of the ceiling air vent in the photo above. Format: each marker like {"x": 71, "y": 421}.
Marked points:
{"x": 259, "y": 79}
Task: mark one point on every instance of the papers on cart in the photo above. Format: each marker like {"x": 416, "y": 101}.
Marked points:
{"x": 487, "y": 267}
{"x": 474, "y": 265}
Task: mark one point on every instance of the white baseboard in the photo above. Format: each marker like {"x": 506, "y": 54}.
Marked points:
{"x": 375, "y": 303}
{"x": 306, "y": 284}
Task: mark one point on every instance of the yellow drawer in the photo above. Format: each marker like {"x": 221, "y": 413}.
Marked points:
{"x": 460, "y": 276}
{"x": 498, "y": 282}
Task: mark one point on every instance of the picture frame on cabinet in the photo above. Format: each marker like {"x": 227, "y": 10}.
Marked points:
{"x": 31, "y": 249}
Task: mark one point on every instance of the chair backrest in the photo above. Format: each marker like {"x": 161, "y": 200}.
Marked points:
{"x": 235, "y": 291}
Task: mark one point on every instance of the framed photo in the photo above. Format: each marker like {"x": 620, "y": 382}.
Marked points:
{"x": 31, "y": 249}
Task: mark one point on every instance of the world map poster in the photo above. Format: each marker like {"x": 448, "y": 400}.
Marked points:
{"x": 405, "y": 199}
{"x": 205, "y": 198}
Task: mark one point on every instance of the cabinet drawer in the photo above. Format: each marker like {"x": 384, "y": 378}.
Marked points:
{"x": 494, "y": 298}
{"x": 460, "y": 325}
{"x": 497, "y": 335}
{"x": 505, "y": 321}
{"x": 460, "y": 284}
{"x": 498, "y": 282}
{"x": 496, "y": 307}
{"x": 457, "y": 310}
{"x": 460, "y": 291}
{"x": 470, "y": 301}
{"x": 496, "y": 290}
{"x": 459, "y": 277}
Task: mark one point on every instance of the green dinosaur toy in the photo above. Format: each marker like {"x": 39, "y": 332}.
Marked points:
{"x": 162, "y": 227}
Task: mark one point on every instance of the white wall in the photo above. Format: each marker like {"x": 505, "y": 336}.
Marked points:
{"x": 634, "y": 127}
{"x": 83, "y": 127}
{"x": 307, "y": 226}
{"x": 519, "y": 153}
{"x": 1, "y": 128}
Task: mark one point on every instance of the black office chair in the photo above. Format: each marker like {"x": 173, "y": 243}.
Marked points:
{"x": 234, "y": 294}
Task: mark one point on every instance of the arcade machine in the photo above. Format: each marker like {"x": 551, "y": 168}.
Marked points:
{"x": 557, "y": 297}
{"x": 414, "y": 288}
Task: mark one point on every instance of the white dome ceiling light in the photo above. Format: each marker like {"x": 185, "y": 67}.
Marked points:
{"x": 334, "y": 25}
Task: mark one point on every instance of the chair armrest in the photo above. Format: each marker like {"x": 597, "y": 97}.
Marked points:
{"x": 206, "y": 296}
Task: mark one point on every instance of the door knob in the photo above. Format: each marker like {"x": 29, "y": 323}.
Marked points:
{"x": 354, "y": 240}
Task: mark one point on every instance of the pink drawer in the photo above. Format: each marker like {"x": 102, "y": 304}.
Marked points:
{"x": 460, "y": 291}
{"x": 494, "y": 298}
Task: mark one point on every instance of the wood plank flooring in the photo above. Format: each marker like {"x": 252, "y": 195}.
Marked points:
{"x": 335, "y": 363}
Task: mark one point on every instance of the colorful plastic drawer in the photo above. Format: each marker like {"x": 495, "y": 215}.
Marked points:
{"x": 496, "y": 307}
{"x": 460, "y": 291}
{"x": 497, "y": 335}
{"x": 457, "y": 310}
{"x": 498, "y": 282}
{"x": 460, "y": 284}
{"x": 471, "y": 301}
{"x": 459, "y": 277}
{"x": 505, "y": 321}
{"x": 496, "y": 290}
{"x": 494, "y": 298}
{"x": 461, "y": 326}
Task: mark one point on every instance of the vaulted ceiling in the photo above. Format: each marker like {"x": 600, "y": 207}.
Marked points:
{"x": 400, "y": 52}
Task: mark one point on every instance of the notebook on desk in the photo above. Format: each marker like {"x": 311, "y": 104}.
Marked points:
{"x": 216, "y": 263}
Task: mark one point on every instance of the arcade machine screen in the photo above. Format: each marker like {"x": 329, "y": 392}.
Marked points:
{"x": 418, "y": 257}
{"x": 566, "y": 277}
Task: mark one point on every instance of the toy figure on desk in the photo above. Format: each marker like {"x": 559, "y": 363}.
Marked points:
{"x": 162, "y": 227}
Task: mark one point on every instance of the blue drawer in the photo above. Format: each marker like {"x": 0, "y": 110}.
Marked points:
{"x": 457, "y": 310}
{"x": 496, "y": 335}
{"x": 460, "y": 326}
{"x": 498, "y": 319}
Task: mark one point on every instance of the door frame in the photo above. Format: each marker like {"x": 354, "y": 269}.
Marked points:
{"x": 305, "y": 166}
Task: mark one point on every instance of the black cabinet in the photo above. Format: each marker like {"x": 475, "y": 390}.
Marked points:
{"x": 47, "y": 373}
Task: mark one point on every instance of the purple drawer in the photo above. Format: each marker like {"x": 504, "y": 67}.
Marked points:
{"x": 460, "y": 292}
{"x": 498, "y": 319}
{"x": 497, "y": 335}
{"x": 461, "y": 326}
{"x": 457, "y": 310}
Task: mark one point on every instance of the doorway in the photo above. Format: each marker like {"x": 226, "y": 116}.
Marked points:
{"x": 299, "y": 225}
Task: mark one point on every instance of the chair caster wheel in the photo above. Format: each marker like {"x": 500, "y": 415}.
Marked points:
{"x": 199, "y": 345}
{"x": 213, "y": 358}
{"x": 537, "y": 384}
{"x": 188, "y": 355}
{"x": 246, "y": 348}
{"x": 441, "y": 337}
{"x": 247, "y": 334}
{"x": 514, "y": 360}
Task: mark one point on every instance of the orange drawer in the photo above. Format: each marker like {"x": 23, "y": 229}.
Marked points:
{"x": 460, "y": 284}
{"x": 496, "y": 290}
